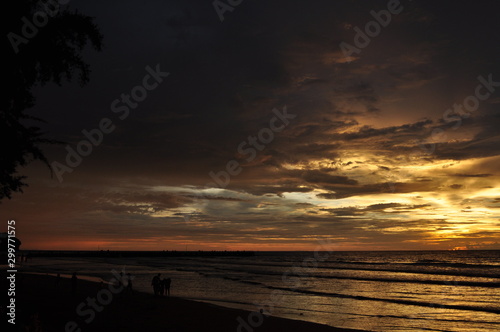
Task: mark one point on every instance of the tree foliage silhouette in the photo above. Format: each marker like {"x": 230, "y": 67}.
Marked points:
{"x": 53, "y": 54}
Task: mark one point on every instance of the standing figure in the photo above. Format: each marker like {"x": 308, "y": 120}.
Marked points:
{"x": 121, "y": 284}
{"x": 166, "y": 286}
{"x": 156, "y": 284}
{"x": 129, "y": 282}
{"x": 161, "y": 287}
{"x": 120, "y": 281}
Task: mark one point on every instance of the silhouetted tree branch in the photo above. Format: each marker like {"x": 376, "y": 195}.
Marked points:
{"x": 53, "y": 54}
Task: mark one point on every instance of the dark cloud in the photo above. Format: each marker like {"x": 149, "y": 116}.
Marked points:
{"x": 381, "y": 207}
{"x": 338, "y": 192}
{"x": 319, "y": 177}
{"x": 369, "y": 132}
{"x": 359, "y": 129}
{"x": 472, "y": 175}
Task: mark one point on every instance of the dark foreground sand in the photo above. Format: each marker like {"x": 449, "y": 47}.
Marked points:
{"x": 43, "y": 306}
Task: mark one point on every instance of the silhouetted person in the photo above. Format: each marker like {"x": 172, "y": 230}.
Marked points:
{"x": 161, "y": 287}
{"x": 121, "y": 284}
{"x": 129, "y": 282}
{"x": 156, "y": 284}
{"x": 166, "y": 286}
{"x": 120, "y": 281}
{"x": 74, "y": 281}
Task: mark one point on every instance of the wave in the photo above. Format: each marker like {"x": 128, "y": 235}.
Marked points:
{"x": 366, "y": 298}
{"x": 470, "y": 273}
{"x": 258, "y": 306}
{"x": 409, "y": 270}
{"x": 398, "y": 301}
{"x": 460, "y": 269}
{"x": 414, "y": 281}
{"x": 433, "y": 262}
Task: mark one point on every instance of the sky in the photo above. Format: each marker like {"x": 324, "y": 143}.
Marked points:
{"x": 392, "y": 146}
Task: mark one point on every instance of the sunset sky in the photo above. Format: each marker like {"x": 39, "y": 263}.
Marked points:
{"x": 371, "y": 160}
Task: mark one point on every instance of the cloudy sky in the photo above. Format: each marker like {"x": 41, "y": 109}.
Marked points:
{"x": 392, "y": 147}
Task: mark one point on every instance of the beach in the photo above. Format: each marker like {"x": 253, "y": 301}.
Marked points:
{"x": 49, "y": 306}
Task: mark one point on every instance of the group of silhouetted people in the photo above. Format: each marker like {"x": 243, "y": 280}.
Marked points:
{"x": 161, "y": 287}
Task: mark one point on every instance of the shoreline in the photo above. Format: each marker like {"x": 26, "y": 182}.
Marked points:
{"x": 52, "y": 307}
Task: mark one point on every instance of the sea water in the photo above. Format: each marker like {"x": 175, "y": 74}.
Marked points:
{"x": 375, "y": 291}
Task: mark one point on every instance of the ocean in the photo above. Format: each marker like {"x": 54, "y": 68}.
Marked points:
{"x": 375, "y": 291}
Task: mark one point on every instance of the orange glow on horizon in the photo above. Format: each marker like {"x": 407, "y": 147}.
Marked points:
{"x": 179, "y": 245}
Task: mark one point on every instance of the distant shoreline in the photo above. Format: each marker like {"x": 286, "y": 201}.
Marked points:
{"x": 109, "y": 253}
{"x": 251, "y": 251}
{"x": 193, "y": 253}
